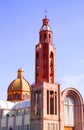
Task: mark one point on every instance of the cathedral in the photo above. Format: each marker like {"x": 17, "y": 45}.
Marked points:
{"x": 43, "y": 105}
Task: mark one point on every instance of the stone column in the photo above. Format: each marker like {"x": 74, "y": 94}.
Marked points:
{"x": 7, "y": 116}
{"x": 22, "y": 121}
{"x": 14, "y": 122}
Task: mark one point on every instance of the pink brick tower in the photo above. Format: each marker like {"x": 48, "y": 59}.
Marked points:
{"x": 45, "y": 93}
{"x": 52, "y": 109}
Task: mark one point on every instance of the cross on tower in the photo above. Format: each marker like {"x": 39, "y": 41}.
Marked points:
{"x": 46, "y": 12}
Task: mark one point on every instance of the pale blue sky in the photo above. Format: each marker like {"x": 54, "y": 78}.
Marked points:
{"x": 20, "y": 21}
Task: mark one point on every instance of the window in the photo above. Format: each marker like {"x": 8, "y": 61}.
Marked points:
{"x": 18, "y": 127}
{"x": 69, "y": 111}
{"x": 36, "y": 126}
{"x": 52, "y": 126}
{"x": 26, "y": 127}
{"x": 44, "y": 37}
{"x": 3, "y": 128}
{"x": 49, "y": 36}
{"x": 16, "y": 96}
{"x": 9, "y": 97}
{"x": 37, "y": 102}
{"x": 7, "y": 115}
{"x": 37, "y": 58}
{"x": 37, "y": 64}
{"x": 51, "y": 102}
{"x": 51, "y": 65}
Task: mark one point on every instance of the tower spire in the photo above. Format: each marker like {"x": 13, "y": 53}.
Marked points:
{"x": 45, "y": 54}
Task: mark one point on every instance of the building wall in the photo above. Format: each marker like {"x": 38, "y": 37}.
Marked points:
{"x": 18, "y": 119}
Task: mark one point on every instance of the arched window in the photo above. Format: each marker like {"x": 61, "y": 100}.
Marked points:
{"x": 37, "y": 58}
{"x": 49, "y": 37}
{"x": 9, "y": 97}
{"x": 16, "y": 96}
{"x": 7, "y": 115}
{"x": 45, "y": 36}
{"x": 68, "y": 111}
{"x": 51, "y": 102}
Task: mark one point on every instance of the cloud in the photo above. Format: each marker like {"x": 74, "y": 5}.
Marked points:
{"x": 82, "y": 61}
{"x": 76, "y": 81}
{"x": 73, "y": 78}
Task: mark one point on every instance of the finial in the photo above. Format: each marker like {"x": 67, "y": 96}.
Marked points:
{"x": 46, "y": 12}
{"x": 20, "y": 69}
{"x": 20, "y": 73}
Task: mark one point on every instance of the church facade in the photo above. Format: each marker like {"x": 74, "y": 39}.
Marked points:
{"x": 43, "y": 105}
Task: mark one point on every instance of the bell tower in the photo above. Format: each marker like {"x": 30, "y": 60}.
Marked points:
{"x": 45, "y": 93}
{"x": 45, "y": 55}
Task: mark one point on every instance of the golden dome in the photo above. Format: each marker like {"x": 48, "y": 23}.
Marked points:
{"x": 20, "y": 87}
{"x": 19, "y": 84}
